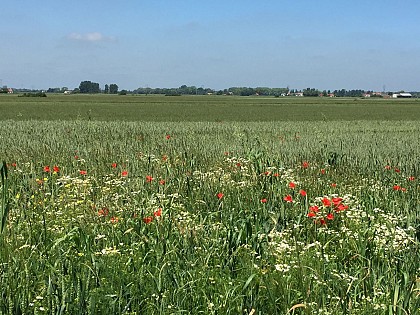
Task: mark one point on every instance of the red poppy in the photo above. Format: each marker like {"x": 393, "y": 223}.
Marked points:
{"x": 149, "y": 178}
{"x": 387, "y": 167}
{"x": 168, "y": 137}
{"x": 292, "y": 185}
{"x": 14, "y": 164}
{"x": 220, "y": 195}
{"x": 114, "y": 219}
{"x": 238, "y": 164}
{"x": 56, "y": 169}
{"x": 341, "y": 207}
{"x": 103, "y": 212}
{"x": 396, "y": 187}
{"x": 302, "y": 193}
{"x": 411, "y": 178}
{"x": 330, "y": 216}
{"x": 314, "y": 208}
{"x": 397, "y": 170}
{"x": 162, "y": 182}
{"x": 403, "y": 189}
{"x": 164, "y": 157}
{"x": 311, "y": 214}
{"x": 158, "y": 212}
{"x": 82, "y": 172}
{"x": 47, "y": 169}
{"x": 76, "y": 157}
{"x": 147, "y": 220}
{"x": 124, "y": 173}
{"x": 326, "y": 202}
{"x": 264, "y": 200}
{"x": 322, "y": 221}
{"x": 337, "y": 200}
{"x": 333, "y": 185}
{"x": 305, "y": 164}
{"x": 276, "y": 174}
{"x": 267, "y": 173}
{"x": 226, "y": 153}
{"x": 114, "y": 165}
{"x": 288, "y": 198}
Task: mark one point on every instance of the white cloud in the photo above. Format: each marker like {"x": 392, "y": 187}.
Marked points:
{"x": 90, "y": 37}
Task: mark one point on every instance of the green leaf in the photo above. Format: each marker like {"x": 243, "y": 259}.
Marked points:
{"x": 248, "y": 281}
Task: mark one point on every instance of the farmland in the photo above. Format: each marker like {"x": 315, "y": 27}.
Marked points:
{"x": 209, "y": 205}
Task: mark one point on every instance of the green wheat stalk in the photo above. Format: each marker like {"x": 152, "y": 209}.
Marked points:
{"x": 4, "y": 210}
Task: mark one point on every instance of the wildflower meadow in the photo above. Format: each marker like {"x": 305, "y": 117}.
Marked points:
{"x": 209, "y": 217}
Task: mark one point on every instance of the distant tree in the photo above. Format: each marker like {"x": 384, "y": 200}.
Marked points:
{"x": 106, "y": 90}
{"x": 34, "y": 94}
{"x": 54, "y": 90}
{"x": 311, "y": 92}
{"x": 89, "y": 87}
{"x": 200, "y": 91}
{"x": 113, "y": 89}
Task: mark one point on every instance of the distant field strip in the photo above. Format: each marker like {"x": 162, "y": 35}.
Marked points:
{"x": 204, "y": 108}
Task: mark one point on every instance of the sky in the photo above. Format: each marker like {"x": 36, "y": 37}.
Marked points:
{"x": 325, "y": 44}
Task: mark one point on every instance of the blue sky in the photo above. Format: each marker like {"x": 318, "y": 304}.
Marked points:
{"x": 326, "y": 44}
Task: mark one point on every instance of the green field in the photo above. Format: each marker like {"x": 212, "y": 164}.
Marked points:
{"x": 204, "y": 108}
{"x": 209, "y": 205}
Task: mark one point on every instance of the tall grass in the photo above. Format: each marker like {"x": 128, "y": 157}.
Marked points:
{"x": 4, "y": 206}
{"x": 211, "y": 218}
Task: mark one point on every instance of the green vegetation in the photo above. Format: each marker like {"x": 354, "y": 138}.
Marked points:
{"x": 205, "y": 108}
{"x": 175, "y": 205}
{"x": 34, "y": 94}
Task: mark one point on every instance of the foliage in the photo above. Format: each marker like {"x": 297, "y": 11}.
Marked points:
{"x": 57, "y": 90}
{"x": 311, "y": 92}
{"x": 34, "y": 94}
{"x": 350, "y": 93}
{"x": 113, "y": 89}
{"x": 89, "y": 87}
{"x": 4, "y": 204}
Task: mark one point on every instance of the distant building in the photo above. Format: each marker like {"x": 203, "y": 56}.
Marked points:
{"x": 9, "y": 90}
{"x": 401, "y": 95}
{"x": 67, "y": 92}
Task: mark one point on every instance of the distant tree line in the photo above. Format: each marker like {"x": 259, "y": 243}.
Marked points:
{"x": 193, "y": 90}
{"x": 350, "y": 93}
{"x": 33, "y": 94}
{"x": 111, "y": 89}
{"x": 89, "y": 87}
{"x": 182, "y": 90}
{"x": 57, "y": 90}
{"x": 94, "y": 88}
